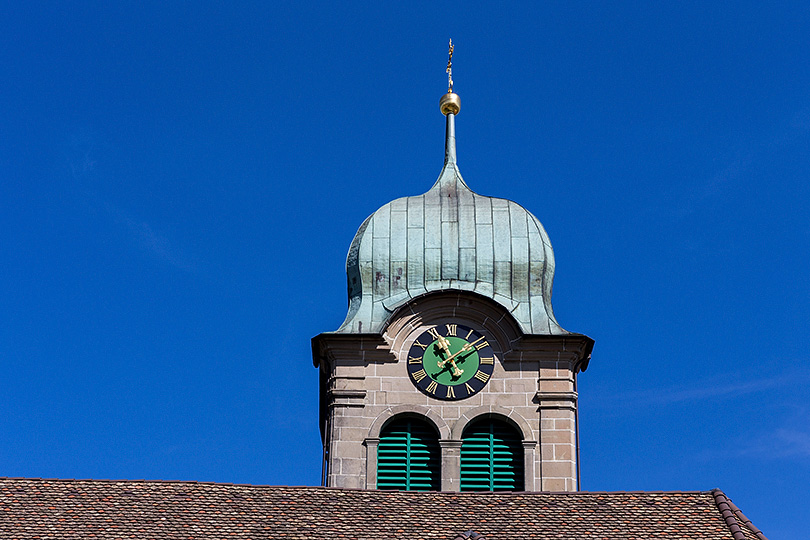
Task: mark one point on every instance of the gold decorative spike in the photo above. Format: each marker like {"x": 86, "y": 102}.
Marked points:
{"x": 450, "y": 69}
{"x": 450, "y": 103}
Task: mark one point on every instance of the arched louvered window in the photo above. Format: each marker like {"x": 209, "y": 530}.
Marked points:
{"x": 491, "y": 457}
{"x": 408, "y": 456}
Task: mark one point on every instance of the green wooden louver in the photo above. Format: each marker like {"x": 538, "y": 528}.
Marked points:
{"x": 408, "y": 456}
{"x": 491, "y": 457}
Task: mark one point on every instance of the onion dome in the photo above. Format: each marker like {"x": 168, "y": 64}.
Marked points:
{"x": 450, "y": 239}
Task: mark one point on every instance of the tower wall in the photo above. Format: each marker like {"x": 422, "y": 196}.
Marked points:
{"x": 533, "y": 387}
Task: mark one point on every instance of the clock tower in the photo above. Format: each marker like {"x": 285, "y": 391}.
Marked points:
{"x": 450, "y": 371}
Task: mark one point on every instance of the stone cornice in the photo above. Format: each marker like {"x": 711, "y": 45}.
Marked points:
{"x": 573, "y": 348}
{"x": 556, "y": 400}
{"x": 350, "y": 349}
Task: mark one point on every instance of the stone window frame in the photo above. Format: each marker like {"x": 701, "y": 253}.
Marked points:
{"x": 372, "y": 442}
{"x": 510, "y": 418}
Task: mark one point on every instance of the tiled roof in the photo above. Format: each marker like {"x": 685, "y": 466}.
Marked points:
{"x": 60, "y": 509}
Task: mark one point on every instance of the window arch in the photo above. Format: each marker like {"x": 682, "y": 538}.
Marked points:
{"x": 408, "y": 456}
{"x": 491, "y": 457}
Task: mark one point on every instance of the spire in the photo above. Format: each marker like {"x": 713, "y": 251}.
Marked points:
{"x": 450, "y": 104}
{"x": 450, "y": 140}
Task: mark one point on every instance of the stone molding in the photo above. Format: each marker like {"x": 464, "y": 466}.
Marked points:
{"x": 329, "y": 349}
{"x": 450, "y": 443}
{"x": 350, "y": 394}
{"x": 556, "y": 400}
{"x": 572, "y": 349}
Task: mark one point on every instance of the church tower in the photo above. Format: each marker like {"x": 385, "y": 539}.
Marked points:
{"x": 450, "y": 371}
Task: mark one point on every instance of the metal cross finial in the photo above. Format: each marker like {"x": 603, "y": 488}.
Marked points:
{"x": 450, "y": 70}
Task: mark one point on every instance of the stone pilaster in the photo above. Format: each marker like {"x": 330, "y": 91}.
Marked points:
{"x": 558, "y": 442}
{"x": 372, "y": 444}
{"x": 451, "y": 464}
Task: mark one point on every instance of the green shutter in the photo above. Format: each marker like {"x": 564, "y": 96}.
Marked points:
{"x": 409, "y": 457}
{"x": 491, "y": 457}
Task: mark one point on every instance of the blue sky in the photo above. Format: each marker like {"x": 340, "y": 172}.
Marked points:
{"x": 180, "y": 182}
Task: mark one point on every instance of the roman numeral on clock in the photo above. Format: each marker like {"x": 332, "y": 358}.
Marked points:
{"x": 481, "y": 345}
{"x": 488, "y": 360}
{"x": 451, "y": 329}
{"x": 432, "y": 387}
{"x": 419, "y": 375}
{"x": 450, "y": 392}
{"x": 481, "y": 376}
{"x": 434, "y": 333}
{"x": 414, "y": 360}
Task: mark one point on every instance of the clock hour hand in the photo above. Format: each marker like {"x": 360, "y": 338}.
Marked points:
{"x": 444, "y": 345}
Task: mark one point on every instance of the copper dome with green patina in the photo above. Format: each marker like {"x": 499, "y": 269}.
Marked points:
{"x": 450, "y": 238}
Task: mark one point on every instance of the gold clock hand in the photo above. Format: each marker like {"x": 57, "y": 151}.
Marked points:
{"x": 456, "y": 371}
{"x": 465, "y": 348}
{"x": 443, "y": 345}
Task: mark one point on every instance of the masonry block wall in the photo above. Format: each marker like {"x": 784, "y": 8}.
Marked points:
{"x": 533, "y": 387}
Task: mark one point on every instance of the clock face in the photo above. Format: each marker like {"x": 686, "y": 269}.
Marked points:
{"x": 450, "y": 361}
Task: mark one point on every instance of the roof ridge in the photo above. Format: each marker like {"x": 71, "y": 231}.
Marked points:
{"x": 733, "y": 516}
{"x": 747, "y": 522}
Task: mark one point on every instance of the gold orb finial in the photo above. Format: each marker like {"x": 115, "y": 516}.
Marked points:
{"x": 450, "y": 103}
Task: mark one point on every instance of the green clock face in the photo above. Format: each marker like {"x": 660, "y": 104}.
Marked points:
{"x": 450, "y": 361}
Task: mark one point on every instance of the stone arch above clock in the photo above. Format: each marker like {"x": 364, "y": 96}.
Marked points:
{"x": 439, "y": 307}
